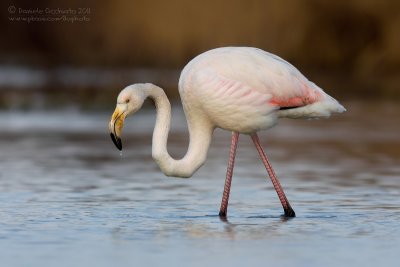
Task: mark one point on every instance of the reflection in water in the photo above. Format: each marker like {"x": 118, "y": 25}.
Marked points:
{"x": 68, "y": 197}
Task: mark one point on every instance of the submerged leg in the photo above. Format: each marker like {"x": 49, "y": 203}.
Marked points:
{"x": 227, "y": 188}
{"x": 289, "y": 212}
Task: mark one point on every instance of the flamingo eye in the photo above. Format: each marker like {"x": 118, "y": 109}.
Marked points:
{"x": 127, "y": 101}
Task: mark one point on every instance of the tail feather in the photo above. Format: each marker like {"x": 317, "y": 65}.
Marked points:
{"x": 323, "y": 107}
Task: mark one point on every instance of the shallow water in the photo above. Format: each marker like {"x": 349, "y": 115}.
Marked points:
{"x": 69, "y": 199}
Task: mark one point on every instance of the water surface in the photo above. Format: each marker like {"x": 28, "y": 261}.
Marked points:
{"x": 69, "y": 199}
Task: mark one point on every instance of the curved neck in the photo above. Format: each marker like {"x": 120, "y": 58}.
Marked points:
{"x": 200, "y": 133}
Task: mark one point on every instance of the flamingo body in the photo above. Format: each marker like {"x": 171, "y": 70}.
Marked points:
{"x": 243, "y": 89}
{"x": 240, "y": 89}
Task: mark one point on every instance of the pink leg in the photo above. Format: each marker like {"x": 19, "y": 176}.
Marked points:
{"x": 227, "y": 188}
{"x": 289, "y": 212}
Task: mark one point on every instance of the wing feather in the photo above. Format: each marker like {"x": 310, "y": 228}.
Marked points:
{"x": 228, "y": 101}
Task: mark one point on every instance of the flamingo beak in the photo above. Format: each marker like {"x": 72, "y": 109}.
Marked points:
{"x": 115, "y": 126}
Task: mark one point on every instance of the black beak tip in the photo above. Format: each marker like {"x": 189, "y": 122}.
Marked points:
{"x": 117, "y": 141}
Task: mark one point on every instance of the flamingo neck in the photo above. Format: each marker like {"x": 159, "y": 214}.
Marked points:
{"x": 200, "y": 133}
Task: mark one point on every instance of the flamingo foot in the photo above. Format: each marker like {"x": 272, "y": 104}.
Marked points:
{"x": 222, "y": 214}
{"x": 289, "y": 212}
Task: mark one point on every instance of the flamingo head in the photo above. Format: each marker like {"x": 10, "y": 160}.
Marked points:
{"x": 129, "y": 101}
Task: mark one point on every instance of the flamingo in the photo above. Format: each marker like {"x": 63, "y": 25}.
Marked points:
{"x": 239, "y": 89}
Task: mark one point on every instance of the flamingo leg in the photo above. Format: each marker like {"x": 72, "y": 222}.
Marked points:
{"x": 289, "y": 212}
{"x": 227, "y": 188}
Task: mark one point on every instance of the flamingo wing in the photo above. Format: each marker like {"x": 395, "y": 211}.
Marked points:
{"x": 232, "y": 104}
{"x": 270, "y": 74}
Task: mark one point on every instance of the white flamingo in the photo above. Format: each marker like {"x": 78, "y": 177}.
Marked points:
{"x": 239, "y": 89}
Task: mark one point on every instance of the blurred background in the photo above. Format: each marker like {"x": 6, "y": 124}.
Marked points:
{"x": 81, "y": 53}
